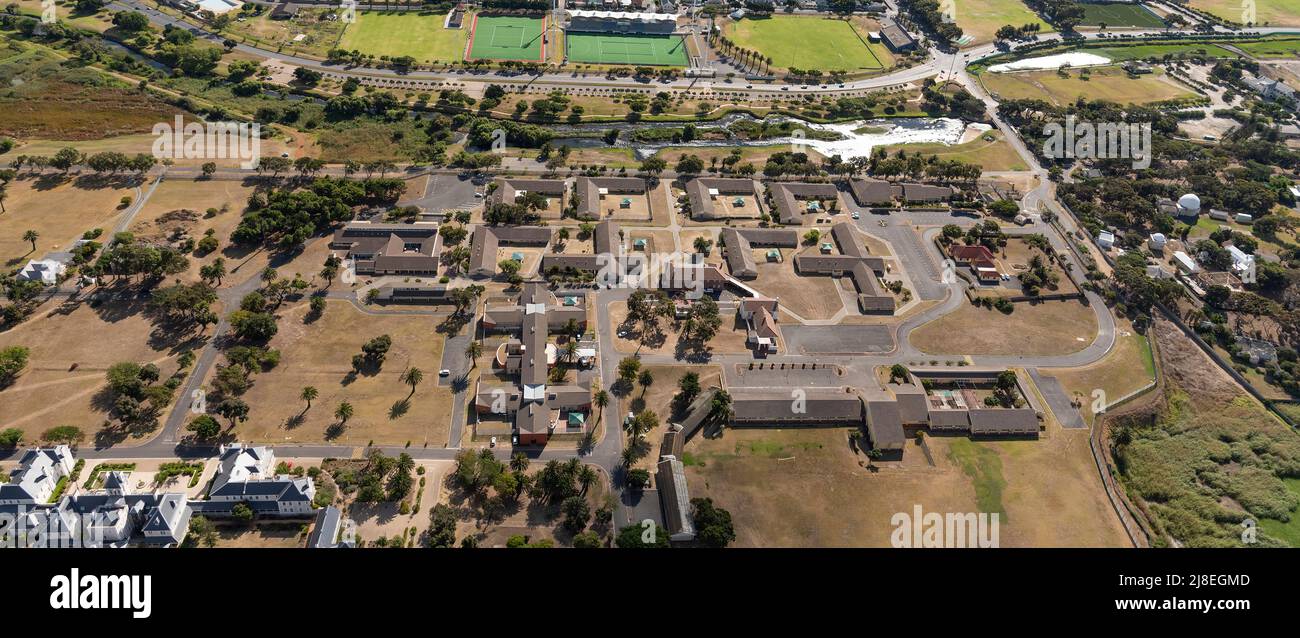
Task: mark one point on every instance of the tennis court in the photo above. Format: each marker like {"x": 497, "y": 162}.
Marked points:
{"x": 507, "y": 38}
{"x": 637, "y": 50}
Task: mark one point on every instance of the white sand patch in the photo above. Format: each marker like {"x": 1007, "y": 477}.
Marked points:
{"x": 1075, "y": 59}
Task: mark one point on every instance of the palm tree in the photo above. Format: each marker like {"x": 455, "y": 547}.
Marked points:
{"x": 519, "y": 462}
{"x": 602, "y": 400}
{"x": 570, "y": 351}
{"x": 308, "y": 394}
{"x": 31, "y": 236}
{"x": 586, "y": 477}
{"x": 647, "y": 378}
{"x": 412, "y": 377}
{"x": 473, "y": 351}
{"x": 343, "y": 412}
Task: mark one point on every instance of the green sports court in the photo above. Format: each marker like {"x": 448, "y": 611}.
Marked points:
{"x": 507, "y": 38}
{"x": 636, "y": 50}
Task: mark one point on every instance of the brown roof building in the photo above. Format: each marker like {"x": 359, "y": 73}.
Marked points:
{"x": 487, "y": 239}
{"x": 793, "y": 200}
{"x": 390, "y": 249}
{"x": 590, "y": 189}
{"x": 740, "y": 243}
{"x": 855, "y": 261}
{"x": 509, "y": 189}
{"x": 703, "y": 192}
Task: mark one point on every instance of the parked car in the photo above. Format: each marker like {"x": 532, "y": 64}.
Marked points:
{"x": 444, "y": 372}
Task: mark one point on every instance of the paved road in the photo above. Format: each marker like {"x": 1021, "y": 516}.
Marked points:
{"x": 1057, "y": 399}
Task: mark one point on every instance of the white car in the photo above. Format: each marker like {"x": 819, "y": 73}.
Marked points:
{"x": 493, "y": 442}
{"x": 444, "y": 372}
{"x": 855, "y": 215}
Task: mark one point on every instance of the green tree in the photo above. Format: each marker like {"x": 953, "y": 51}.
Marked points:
{"x": 204, "y": 426}
{"x": 412, "y": 377}
{"x": 308, "y": 394}
{"x": 343, "y": 412}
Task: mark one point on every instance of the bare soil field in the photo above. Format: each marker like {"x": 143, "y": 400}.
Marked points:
{"x": 274, "y": 534}
{"x": 808, "y": 488}
{"x": 1125, "y": 369}
{"x": 72, "y": 346}
{"x": 59, "y": 209}
{"x": 319, "y": 354}
{"x": 182, "y": 205}
{"x": 1039, "y": 329}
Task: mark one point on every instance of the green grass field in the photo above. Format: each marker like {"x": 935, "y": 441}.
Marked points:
{"x": 1275, "y": 13}
{"x": 1279, "y": 48}
{"x": 651, "y": 50}
{"x": 419, "y": 35}
{"x": 507, "y": 38}
{"x": 787, "y": 40}
{"x": 980, "y": 19}
{"x": 1119, "y": 15}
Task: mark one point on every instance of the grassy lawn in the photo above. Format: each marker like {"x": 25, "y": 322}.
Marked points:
{"x": 507, "y": 38}
{"x": 1040, "y": 329}
{"x": 1274, "y": 48}
{"x": 419, "y": 35}
{"x": 1144, "y": 51}
{"x": 841, "y": 45}
{"x": 1119, "y": 15}
{"x": 1109, "y": 83}
{"x": 980, "y": 19}
{"x": 990, "y": 151}
{"x": 1276, "y": 13}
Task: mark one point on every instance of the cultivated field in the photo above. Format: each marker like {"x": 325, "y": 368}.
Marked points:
{"x": 1037, "y": 329}
{"x": 808, "y": 488}
{"x": 1119, "y": 15}
{"x": 990, "y": 151}
{"x": 1275, "y": 13}
{"x": 841, "y": 44}
{"x": 419, "y": 35}
{"x": 59, "y": 210}
{"x": 507, "y": 38}
{"x": 71, "y": 349}
{"x": 980, "y": 19}
{"x": 1109, "y": 83}
{"x": 636, "y": 50}
{"x": 319, "y": 353}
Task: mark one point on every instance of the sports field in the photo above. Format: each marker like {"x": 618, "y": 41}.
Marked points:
{"x": 1109, "y": 83}
{"x": 980, "y": 19}
{"x": 1119, "y": 15}
{"x": 507, "y": 38}
{"x": 652, "y": 50}
{"x": 810, "y": 43}
{"x": 419, "y": 35}
{"x": 1273, "y": 13}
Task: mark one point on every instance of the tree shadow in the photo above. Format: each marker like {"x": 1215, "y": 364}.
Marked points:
{"x": 399, "y": 409}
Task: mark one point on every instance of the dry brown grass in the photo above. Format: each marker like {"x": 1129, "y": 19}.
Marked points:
{"x": 1040, "y": 329}
{"x": 811, "y": 297}
{"x": 51, "y": 392}
{"x": 807, "y": 488}
{"x": 658, "y": 398}
{"x": 59, "y": 210}
{"x": 730, "y": 337}
{"x": 319, "y": 354}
